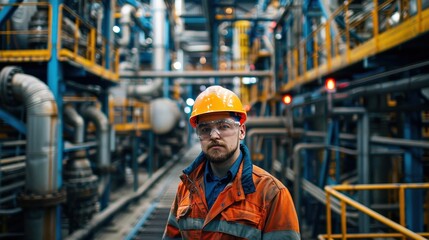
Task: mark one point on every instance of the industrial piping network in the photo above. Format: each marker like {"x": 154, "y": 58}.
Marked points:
{"x": 42, "y": 194}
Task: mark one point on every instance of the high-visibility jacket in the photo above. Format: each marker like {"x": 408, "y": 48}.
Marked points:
{"x": 255, "y": 205}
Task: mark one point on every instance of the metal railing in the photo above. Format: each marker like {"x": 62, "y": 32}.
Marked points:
{"x": 349, "y": 35}
{"x": 129, "y": 115}
{"x": 78, "y": 41}
{"x": 27, "y": 44}
{"x": 398, "y": 229}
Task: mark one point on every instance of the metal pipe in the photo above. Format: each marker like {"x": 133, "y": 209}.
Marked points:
{"x": 297, "y": 170}
{"x": 159, "y": 55}
{"x": 193, "y": 74}
{"x": 265, "y": 122}
{"x": 363, "y": 155}
{"x": 73, "y": 118}
{"x": 264, "y": 131}
{"x": 126, "y": 17}
{"x": 400, "y": 142}
{"x": 91, "y": 113}
{"x": 41, "y": 148}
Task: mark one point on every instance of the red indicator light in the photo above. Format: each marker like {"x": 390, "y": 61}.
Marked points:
{"x": 330, "y": 85}
{"x": 287, "y": 99}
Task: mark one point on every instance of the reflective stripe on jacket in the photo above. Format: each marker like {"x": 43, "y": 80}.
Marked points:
{"x": 254, "y": 205}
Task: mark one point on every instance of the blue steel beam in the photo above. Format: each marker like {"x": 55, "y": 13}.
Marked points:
{"x": 413, "y": 172}
{"x": 14, "y": 122}
{"x": 8, "y": 10}
{"x": 54, "y": 80}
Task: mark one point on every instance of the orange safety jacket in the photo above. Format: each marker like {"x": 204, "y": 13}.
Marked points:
{"x": 255, "y": 205}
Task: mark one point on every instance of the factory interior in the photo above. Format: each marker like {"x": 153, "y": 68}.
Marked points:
{"x": 95, "y": 98}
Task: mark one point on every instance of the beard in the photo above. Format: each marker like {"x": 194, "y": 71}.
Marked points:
{"x": 217, "y": 157}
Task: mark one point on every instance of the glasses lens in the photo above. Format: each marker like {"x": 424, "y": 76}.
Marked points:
{"x": 222, "y": 127}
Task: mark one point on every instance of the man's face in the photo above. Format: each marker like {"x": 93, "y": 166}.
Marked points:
{"x": 220, "y": 137}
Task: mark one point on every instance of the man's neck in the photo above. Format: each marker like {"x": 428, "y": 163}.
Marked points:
{"x": 221, "y": 169}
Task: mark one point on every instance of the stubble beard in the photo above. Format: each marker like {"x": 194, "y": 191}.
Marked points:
{"x": 219, "y": 158}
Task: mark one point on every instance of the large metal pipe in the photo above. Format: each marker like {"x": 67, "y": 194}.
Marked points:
{"x": 76, "y": 121}
{"x": 41, "y": 149}
{"x": 93, "y": 114}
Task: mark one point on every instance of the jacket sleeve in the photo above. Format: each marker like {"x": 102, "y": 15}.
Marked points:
{"x": 282, "y": 220}
{"x": 172, "y": 228}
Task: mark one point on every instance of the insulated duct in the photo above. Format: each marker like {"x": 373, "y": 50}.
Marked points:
{"x": 41, "y": 165}
{"x": 158, "y": 63}
{"x": 93, "y": 114}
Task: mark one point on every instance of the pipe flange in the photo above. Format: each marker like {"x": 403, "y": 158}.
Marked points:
{"x": 32, "y": 200}
{"x": 6, "y": 89}
{"x": 105, "y": 169}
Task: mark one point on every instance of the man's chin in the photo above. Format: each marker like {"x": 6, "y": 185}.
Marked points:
{"x": 216, "y": 158}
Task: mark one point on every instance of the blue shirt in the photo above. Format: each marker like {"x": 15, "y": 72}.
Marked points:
{"x": 214, "y": 185}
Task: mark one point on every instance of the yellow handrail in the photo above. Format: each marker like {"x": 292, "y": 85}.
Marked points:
{"x": 14, "y": 50}
{"x": 129, "y": 115}
{"x": 344, "y": 200}
{"x": 85, "y": 49}
{"x": 72, "y": 45}
{"x": 333, "y": 49}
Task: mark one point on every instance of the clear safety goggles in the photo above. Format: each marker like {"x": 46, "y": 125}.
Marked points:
{"x": 223, "y": 127}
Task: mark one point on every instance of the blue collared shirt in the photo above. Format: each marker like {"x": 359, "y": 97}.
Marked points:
{"x": 214, "y": 185}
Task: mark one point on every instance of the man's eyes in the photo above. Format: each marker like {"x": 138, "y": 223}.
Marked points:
{"x": 224, "y": 126}
{"x": 205, "y": 129}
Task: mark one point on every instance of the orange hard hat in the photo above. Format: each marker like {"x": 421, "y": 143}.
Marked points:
{"x": 217, "y": 99}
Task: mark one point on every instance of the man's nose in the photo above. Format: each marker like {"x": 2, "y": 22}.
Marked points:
{"x": 216, "y": 131}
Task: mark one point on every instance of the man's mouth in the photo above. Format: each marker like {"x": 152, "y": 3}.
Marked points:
{"x": 215, "y": 146}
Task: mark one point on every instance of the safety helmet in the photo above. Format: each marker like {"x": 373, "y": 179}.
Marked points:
{"x": 217, "y": 99}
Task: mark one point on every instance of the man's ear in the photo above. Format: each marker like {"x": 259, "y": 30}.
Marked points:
{"x": 242, "y": 133}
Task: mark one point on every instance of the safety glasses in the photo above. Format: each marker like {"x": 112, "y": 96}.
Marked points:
{"x": 224, "y": 128}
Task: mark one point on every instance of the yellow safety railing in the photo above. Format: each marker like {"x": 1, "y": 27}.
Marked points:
{"x": 80, "y": 42}
{"x": 17, "y": 44}
{"x": 129, "y": 115}
{"x": 398, "y": 229}
{"x": 349, "y": 36}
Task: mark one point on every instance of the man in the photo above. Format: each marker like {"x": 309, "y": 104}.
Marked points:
{"x": 222, "y": 195}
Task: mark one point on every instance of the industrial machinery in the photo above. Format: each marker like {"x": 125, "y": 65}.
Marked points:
{"x": 95, "y": 97}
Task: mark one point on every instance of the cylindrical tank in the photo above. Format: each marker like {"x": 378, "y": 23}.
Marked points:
{"x": 164, "y": 114}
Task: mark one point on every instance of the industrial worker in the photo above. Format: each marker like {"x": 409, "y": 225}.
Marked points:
{"x": 222, "y": 195}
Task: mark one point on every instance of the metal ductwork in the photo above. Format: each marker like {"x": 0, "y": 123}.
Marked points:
{"x": 93, "y": 114}
{"x": 79, "y": 180}
{"x": 159, "y": 41}
{"x": 41, "y": 194}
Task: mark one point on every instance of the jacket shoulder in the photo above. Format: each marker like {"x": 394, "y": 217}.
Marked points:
{"x": 262, "y": 178}
{"x": 267, "y": 186}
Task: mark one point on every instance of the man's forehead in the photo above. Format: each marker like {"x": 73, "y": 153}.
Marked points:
{"x": 208, "y": 117}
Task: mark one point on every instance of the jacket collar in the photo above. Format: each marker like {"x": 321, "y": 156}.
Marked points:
{"x": 246, "y": 178}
